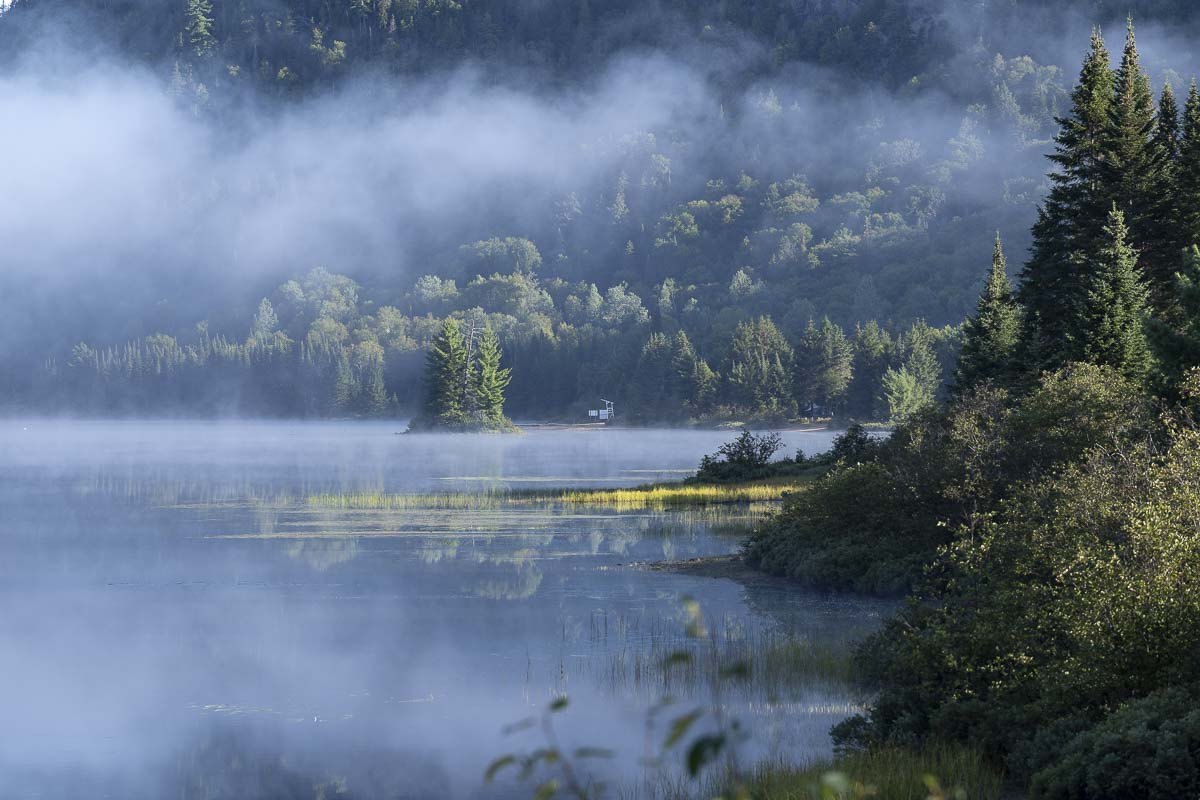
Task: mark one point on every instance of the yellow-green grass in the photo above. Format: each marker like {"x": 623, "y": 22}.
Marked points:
{"x": 664, "y": 495}
{"x": 935, "y": 772}
{"x": 653, "y": 496}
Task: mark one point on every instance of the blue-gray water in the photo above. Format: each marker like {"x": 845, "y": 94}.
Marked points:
{"x": 179, "y": 618}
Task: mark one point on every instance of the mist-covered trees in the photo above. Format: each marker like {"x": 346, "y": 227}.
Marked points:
{"x": 317, "y": 347}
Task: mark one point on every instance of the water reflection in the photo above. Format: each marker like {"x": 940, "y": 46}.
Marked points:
{"x": 177, "y": 618}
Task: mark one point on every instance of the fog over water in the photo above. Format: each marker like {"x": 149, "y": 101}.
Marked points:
{"x": 182, "y": 617}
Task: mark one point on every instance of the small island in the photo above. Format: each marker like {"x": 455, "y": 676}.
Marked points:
{"x": 464, "y": 383}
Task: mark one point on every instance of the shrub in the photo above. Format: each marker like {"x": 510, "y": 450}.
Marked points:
{"x": 748, "y": 457}
{"x": 1148, "y": 749}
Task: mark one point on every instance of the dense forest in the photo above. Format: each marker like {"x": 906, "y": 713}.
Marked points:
{"x": 793, "y": 222}
{"x": 1043, "y": 520}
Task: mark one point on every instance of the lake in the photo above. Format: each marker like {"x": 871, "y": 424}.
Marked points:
{"x": 184, "y": 613}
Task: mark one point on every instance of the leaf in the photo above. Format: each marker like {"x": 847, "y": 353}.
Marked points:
{"x": 679, "y": 728}
{"x": 494, "y": 768}
{"x": 559, "y": 704}
{"x": 546, "y": 790}
{"x": 703, "y": 751}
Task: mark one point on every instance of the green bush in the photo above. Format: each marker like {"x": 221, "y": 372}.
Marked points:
{"x": 1148, "y": 749}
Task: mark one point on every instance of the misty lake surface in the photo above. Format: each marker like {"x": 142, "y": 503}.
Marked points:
{"x": 184, "y": 613}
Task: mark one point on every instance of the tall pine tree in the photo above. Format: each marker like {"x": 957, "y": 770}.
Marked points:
{"x": 990, "y": 337}
{"x": 1134, "y": 166}
{"x": 1163, "y": 226}
{"x": 824, "y": 366}
{"x": 490, "y": 381}
{"x": 1187, "y": 178}
{"x": 1070, "y": 222}
{"x": 1113, "y": 318}
{"x": 446, "y": 367}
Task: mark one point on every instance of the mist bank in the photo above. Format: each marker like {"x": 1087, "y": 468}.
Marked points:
{"x": 703, "y": 171}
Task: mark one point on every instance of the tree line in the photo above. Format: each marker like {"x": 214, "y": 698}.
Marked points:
{"x": 316, "y": 348}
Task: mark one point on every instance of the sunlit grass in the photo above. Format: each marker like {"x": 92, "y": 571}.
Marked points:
{"x": 655, "y": 496}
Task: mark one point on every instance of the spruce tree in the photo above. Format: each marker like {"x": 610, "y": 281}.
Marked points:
{"x": 990, "y": 336}
{"x": 1070, "y": 222}
{"x": 871, "y": 347}
{"x": 1134, "y": 166}
{"x": 491, "y": 380}
{"x": 1113, "y": 319}
{"x": 1163, "y": 227}
{"x": 824, "y": 367}
{"x": 445, "y": 366}
{"x": 760, "y": 369}
{"x": 377, "y": 400}
{"x": 1130, "y": 157}
{"x": 1187, "y": 178}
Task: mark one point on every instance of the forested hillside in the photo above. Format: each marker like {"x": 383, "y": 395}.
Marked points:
{"x": 728, "y": 210}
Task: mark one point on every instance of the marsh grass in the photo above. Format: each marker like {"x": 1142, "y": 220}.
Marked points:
{"x": 767, "y": 664}
{"x": 653, "y": 496}
{"x": 935, "y": 772}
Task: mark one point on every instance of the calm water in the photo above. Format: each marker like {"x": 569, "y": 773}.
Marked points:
{"x": 179, "y": 618}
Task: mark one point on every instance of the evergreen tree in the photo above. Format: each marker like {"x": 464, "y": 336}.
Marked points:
{"x": 760, "y": 369}
{"x": 990, "y": 336}
{"x": 694, "y": 381}
{"x": 1069, "y": 224}
{"x": 345, "y": 388}
{"x": 1134, "y": 165}
{"x": 377, "y": 401}
{"x": 1163, "y": 225}
{"x": 1113, "y": 322}
{"x": 1176, "y": 342}
{"x": 266, "y": 322}
{"x": 199, "y": 27}
{"x": 1129, "y": 157}
{"x": 653, "y": 387}
{"x": 1188, "y": 174}
{"x": 824, "y": 366}
{"x": 871, "y": 347}
{"x": 491, "y": 380}
{"x": 446, "y": 365}
{"x": 922, "y": 363}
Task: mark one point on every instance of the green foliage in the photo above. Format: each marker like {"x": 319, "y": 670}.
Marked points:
{"x": 1075, "y": 593}
{"x": 490, "y": 381}
{"x": 745, "y": 458}
{"x": 1148, "y": 748}
{"x": 1176, "y": 341}
{"x": 1112, "y": 329}
{"x": 199, "y": 27}
{"x": 759, "y": 370}
{"x": 464, "y": 382}
{"x": 990, "y": 337}
{"x": 823, "y": 367}
{"x": 941, "y": 472}
{"x": 1068, "y": 229}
